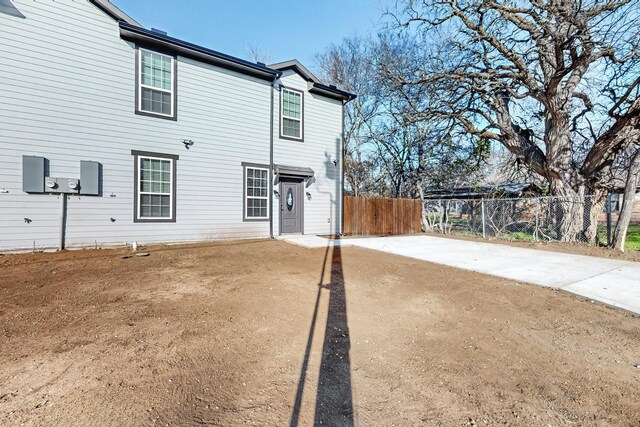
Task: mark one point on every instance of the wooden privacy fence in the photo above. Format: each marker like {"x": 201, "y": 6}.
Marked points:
{"x": 379, "y": 216}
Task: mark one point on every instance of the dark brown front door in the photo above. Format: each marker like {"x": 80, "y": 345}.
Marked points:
{"x": 291, "y": 207}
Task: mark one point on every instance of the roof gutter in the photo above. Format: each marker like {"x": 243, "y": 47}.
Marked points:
{"x": 153, "y": 39}
{"x": 331, "y": 92}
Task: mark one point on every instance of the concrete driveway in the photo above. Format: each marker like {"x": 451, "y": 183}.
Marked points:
{"x": 612, "y": 282}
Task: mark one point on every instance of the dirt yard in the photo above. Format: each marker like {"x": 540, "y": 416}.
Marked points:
{"x": 241, "y": 333}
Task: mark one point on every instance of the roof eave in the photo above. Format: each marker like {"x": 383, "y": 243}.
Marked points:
{"x": 107, "y": 7}
{"x": 296, "y": 66}
{"x": 331, "y": 92}
{"x": 149, "y": 38}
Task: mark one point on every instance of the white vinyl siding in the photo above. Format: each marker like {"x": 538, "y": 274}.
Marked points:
{"x": 52, "y": 73}
{"x": 256, "y": 193}
{"x": 155, "y": 188}
{"x": 156, "y": 78}
{"x": 55, "y": 66}
{"x": 291, "y": 108}
{"x": 322, "y": 145}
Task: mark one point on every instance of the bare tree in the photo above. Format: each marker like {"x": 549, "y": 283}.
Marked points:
{"x": 556, "y": 82}
{"x": 257, "y": 54}
{"x": 388, "y": 152}
{"x": 633, "y": 175}
{"x": 351, "y": 65}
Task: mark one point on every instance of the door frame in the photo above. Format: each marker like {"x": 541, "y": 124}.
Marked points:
{"x": 300, "y": 185}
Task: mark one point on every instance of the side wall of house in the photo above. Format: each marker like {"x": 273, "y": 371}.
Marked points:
{"x": 319, "y": 149}
{"x": 67, "y": 87}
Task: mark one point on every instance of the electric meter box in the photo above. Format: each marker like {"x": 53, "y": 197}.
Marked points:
{"x": 61, "y": 185}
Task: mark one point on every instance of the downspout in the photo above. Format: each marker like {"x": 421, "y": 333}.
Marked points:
{"x": 344, "y": 104}
{"x": 63, "y": 221}
{"x": 271, "y": 159}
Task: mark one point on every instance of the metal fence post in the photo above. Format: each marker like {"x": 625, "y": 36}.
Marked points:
{"x": 609, "y": 219}
{"x": 484, "y": 234}
{"x": 535, "y": 230}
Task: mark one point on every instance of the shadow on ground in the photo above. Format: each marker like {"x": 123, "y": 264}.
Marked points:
{"x": 334, "y": 400}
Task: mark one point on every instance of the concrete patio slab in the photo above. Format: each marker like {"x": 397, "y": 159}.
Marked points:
{"x": 619, "y": 287}
{"x": 310, "y": 241}
{"x": 612, "y": 282}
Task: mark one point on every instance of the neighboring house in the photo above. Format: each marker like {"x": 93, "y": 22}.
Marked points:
{"x": 514, "y": 190}
{"x": 153, "y": 139}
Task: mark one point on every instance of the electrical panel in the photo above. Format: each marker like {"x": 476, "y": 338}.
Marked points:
{"x": 89, "y": 178}
{"x": 33, "y": 174}
{"x": 34, "y": 169}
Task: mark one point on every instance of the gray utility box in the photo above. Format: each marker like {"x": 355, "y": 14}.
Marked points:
{"x": 89, "y": 178}
{"x": 61, "y": 185}
{"x": 33, "y": 174}
{"x": 34, "y": 169}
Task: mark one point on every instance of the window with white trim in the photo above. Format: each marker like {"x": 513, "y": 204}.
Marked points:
{"x": 291, "y": 114}
{"x": 155, "y": 196}
{"x": 256, "y": 193}
{"x": 156, "y": 87}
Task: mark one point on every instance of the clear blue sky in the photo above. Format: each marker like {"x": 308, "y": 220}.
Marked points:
{"x": 284, "y": 29}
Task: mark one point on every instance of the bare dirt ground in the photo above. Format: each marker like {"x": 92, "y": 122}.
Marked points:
{"x": 578, "y": 249}
{"x": 241, "y": 333}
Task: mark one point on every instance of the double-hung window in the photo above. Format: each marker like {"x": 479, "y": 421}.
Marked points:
{"x": 256, "y": 193}
{"x": 291, "y": 114}
{"x": 155, "y": 198}
{"x": 156, "y": 84}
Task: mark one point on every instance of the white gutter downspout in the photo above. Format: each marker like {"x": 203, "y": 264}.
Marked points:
{"x": 344, "y": 104}
{"x": 63, "y": 214}
{"x": 271, "y": 160}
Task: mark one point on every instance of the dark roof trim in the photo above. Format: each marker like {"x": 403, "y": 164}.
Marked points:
{"x": 8, "y": 8}
{"x": 293, "y": 171}
{"x": 153, "y": 39}
{"x": 114, "y": 12}
{"x": 314, "y": 84}
{"x": 331, "y": 92}
{"x": 296, "y": 66}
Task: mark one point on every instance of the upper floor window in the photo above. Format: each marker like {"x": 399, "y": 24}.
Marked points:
{"x": 291, "y": 114}
{"x": 156, "y": 84}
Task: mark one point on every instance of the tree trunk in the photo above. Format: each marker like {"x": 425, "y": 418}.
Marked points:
{"x": 563, "y": 180}
{"x": 568, "y": 209}
{"x": 620, "y": 235}
{"x": 425, "y": 224}
{"x": 592, "y": 210}
{"x": 575, "y": 213}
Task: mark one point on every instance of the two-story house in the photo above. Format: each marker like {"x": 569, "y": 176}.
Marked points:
{"x": 111, "y": 133}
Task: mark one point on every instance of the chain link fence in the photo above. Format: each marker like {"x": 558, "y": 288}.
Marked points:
{"x": 552, "y": 219}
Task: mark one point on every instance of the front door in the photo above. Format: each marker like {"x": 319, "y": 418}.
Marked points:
{"x": 291, "y": 207}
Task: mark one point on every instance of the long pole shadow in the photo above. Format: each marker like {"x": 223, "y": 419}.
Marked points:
{"x": 334, "y": 399}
